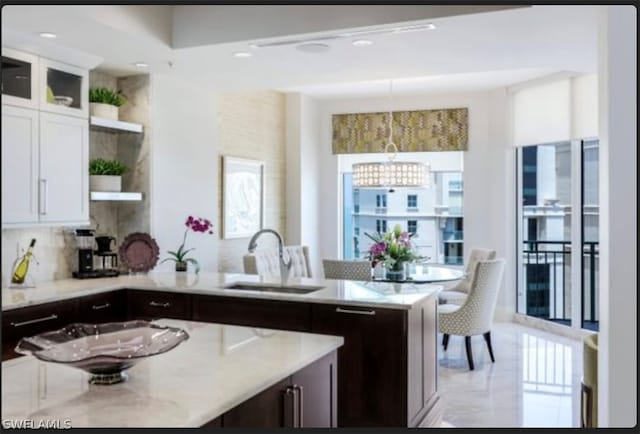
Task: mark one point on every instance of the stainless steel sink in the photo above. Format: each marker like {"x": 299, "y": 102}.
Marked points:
{"x": 262, "y": 287}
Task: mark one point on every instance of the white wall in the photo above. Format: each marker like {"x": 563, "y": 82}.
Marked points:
{"x": 488, "y": 174}
{"x": 184, "y": 169}
{"x": 302, "y": 174}
{"x": 618, "y": 339}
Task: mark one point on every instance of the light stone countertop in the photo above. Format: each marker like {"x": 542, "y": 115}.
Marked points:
{"x": 342, "y": 292}
{"x": 217, "y": 368}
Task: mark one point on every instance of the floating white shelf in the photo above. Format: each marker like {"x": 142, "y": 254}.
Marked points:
{"x": 115, "y": 196}
{"x": 114, "y": 126}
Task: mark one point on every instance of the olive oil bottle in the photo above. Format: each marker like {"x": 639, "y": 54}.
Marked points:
{"x": 22, "y": 266}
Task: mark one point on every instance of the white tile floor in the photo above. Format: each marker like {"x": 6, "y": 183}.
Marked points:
{"x": 535, "y": 381}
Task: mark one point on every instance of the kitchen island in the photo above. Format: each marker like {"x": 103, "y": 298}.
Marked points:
{"x": 387, "y": 365}
{"x": 222, "y": 376}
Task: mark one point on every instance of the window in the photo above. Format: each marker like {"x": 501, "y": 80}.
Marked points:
{"x": 412, "y": 201}
{"x": 545, "y": 285}
{"x": 434, "y": 214}
{"x": 412, "y": 226}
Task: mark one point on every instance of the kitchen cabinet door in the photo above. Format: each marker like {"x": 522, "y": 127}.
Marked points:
{"x": 150, "y": 305}
{"x": 105, "y": 307}
{"x": 19, "y": 78}
{"x": 19, "y": 165}
{"x": 372, "y": 380}
{"x": 33, "y": 320}
{"x": 64, "y": 169}
{"x": 64, "y": 89}
{"x": 315, "y": 387}
{"x": 273, "y": 314}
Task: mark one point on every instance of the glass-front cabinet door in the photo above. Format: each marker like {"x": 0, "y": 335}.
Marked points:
{"x": 63, "y": 89}
{"x": 19, "y": 78}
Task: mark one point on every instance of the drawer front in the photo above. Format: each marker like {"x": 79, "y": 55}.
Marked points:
{"x": 151, "y": 305}
{"x": 251, "y": 312}
{"x": 106, "y": 307}
{"x": 30, "y": 321}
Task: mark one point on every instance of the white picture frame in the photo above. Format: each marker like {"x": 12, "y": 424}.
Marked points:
{"x": 242, "y": 197}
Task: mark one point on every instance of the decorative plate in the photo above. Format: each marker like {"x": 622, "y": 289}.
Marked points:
{"x": 139, "y": 252}
{"x": 104, "y": 350}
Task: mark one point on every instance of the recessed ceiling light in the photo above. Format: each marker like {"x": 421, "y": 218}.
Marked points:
{"x": 48, "y": 35}
{"x": 362, "y": 42}
{"x": 141, "y": 64}
{"x": 242, "y": 54}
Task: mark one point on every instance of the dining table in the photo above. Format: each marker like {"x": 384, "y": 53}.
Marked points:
{"x": 429, "y": 274}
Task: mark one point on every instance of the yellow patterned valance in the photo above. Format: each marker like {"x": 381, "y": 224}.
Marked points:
{"x": 413, "y": 131}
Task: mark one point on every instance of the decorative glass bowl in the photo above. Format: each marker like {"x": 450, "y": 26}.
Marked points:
{"x": 104, "y": 350}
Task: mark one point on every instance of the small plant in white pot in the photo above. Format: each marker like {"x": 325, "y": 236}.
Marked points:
{"x": 106, "y": 175}
{"x": 104, "y": 102}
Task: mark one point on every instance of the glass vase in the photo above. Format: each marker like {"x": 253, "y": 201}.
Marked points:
{"x": 397, "y": 272}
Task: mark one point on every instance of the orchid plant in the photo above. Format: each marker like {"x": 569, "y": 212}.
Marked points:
{"x": 393, "y": 248}
{"x": 195, "y": 224}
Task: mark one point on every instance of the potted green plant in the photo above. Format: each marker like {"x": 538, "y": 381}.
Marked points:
{"x": 104, "y": 102}
{"x": 106, "y": 175}
{"x": 195, "y": 224}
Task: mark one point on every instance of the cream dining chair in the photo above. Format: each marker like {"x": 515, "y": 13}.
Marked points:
{"x": 475, "y": 316}
{"x": 346, "y": 270}
{"x": 266, "y": 262}
{"x": 459, "y": 292}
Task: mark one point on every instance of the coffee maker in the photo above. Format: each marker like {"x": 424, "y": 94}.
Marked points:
{"x": 85, "y": 242}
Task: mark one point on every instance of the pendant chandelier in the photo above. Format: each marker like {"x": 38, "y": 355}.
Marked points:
{"x": 391, "y": 174}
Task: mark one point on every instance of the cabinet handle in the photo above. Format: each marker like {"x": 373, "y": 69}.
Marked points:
{"x": 300, "y": 393}
{"x": 296, "y": 407}
{"x": 289, "y": 407}
{"x": 358, "y": 312}
{"x": 33, "y": 321}
{"x": 102, "y": 306}
{"x": 156, "y": 304}
{"x": 44, "y": 194}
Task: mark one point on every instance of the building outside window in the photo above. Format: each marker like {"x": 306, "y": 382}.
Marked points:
{"x": 381, "y": 226}
{"x": 381, "y": 200}
{"x": 412, "y": 201}
{"x": 412, "y": 226}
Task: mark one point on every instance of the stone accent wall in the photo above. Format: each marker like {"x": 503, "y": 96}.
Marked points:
{"x": 252, "y": 125}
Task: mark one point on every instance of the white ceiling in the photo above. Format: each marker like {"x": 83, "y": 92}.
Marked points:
{"x": 464, "y": 52}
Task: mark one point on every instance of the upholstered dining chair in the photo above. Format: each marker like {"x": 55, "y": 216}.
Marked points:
{"x": 459, "y": 292}
{"x": 475, "y": 316}
{"x": 266, "y": 262}
{"x": 346, "y": 270}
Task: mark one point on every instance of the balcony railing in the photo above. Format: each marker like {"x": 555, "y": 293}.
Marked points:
{"x": 452, "y": 235}
{"x": 547, "y": 271}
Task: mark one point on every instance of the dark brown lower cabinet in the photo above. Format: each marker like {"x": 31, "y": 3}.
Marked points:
{"x": 32, "y": 320}
{"x": 150, "y": 305}
{"x": 387, "y": 365}
{"x": 280, "y": 315}
{"x": 104, "y": 307}
{"x": 306, "y": 399}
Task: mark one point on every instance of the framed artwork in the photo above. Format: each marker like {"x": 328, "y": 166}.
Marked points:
{"x": 242, "y": 197}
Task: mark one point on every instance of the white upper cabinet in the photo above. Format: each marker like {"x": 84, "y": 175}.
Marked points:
{"x": 64, "y": 165}
{"x": 19, "y": 79}
{"x": 45, "y": 142}
{"x": 19, "y": 165}
{"x": 63, "y": 88}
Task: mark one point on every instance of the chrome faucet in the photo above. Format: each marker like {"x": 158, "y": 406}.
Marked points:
{"x": 285, "y": 267}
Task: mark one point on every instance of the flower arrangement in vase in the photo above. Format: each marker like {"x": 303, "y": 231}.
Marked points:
{"x": 393, "y": 249}
{"x": 195, "y": 224}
